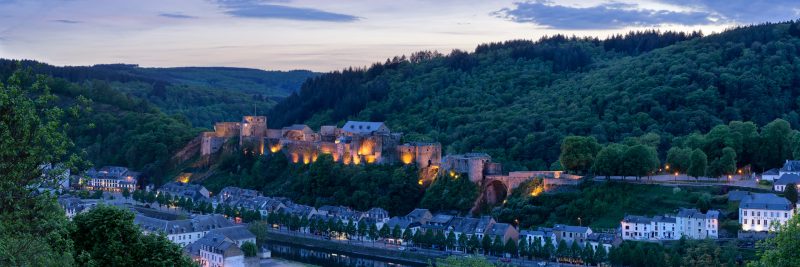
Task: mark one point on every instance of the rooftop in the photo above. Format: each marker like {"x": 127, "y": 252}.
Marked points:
{"x": 788, "y": 178}
{"x": 766, "y": 201}
{"x": 363, "y": 127}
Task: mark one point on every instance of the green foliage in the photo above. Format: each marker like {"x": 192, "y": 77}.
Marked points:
{"x": 107, "y": 236}
{"x": 610, "y": 160}
{"x": 790, "y": 193}
{"x": 33, "y": 229}
{"x": 577, "y": 153}
{"x": 640, "y": 160}
{"x": 683, "y": 253}
{"x": 697, "y": 165}
{"x": 518, "y": 100}
{"x": 249, "y": 249}
{"x": 458, "y": 261}
{"x": 783, "y": 249}
{"x": 600, "y": 205}
{"x": 448, "y": 193}
{"x": 679, "y": 159}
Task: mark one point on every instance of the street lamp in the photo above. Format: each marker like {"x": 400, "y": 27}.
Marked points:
{"x": 580, "y": 223}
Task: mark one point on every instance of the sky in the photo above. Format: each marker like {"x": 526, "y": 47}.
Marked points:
{"x": 332, "y": 34}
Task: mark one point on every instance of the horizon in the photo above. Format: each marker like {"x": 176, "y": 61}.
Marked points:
{"x": 321, "y": 36}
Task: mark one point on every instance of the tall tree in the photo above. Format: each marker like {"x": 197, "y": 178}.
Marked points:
{"x": 697, "y": 167}
{"x": 609, "y": 160}
{"x": 107, "y": 236}
{"x": 783, "y": 249}
{"x": 775, "y": 144}
{"x": 640, "y": 160}
{"x": 578, "y": 153}
{"x": 33, "y": 229}
{"x": 679, "y": 159}
{"x": 790, "y": 193}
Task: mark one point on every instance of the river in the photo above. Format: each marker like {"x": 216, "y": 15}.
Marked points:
{"x": 324, "y": 257}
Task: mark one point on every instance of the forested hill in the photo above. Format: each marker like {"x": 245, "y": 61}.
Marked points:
{"x": 203, "y": 95}
{"x": 517, "y": 100}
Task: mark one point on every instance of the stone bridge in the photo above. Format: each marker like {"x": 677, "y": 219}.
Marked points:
{"x": 495, "y": 188}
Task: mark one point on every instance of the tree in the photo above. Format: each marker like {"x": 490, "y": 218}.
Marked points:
{"x": 126, "y": 193}
{"x": 600, "y": 255}
{"x": 697, "y": 167}
{"x": 609, "y": 160}
{"x": 587, "y": 255}
{"x": 775, "y": 144}
{"x": 578, "y": 153}
{"x": 450, "y": 240}
{"x": 783, "y": 249}
{"x": 562, "y": 250}
{"x": 249, "y": 249}
{"x": 790, "y": 193}
{"x": 473, "y": 243}
{"x": 640, "y": 160}
{"x": 362, "y": 230}
{"x": 511, "y": 248}
{"x": 523, "y": 248}
{"x": 33, "y": 229}
{"x": 498, "y": 245}
{"x": 679, "y": 159}
{"x": 468, "y": 261}
{"x": 486, "y": 244}
{"x": 107, "y": 236}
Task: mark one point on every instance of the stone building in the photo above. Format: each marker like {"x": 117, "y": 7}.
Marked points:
{"x": 475, "y": 165}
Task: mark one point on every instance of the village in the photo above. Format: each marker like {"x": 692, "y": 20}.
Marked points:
{"x": 213, "y": 227}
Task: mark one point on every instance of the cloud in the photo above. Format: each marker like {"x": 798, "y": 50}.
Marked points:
{"x": 67, "y": 21}
{"x": 176, "y": 16}
{"x": 603, "y": 16}
{"x": 273, "y": 10}
{"x": 745, "y": 11}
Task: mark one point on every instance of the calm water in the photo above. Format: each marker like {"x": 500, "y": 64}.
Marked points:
{"x": 323, "y": 257}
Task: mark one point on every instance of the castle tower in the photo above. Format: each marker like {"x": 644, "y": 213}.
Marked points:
{"x": 253, "y": 131}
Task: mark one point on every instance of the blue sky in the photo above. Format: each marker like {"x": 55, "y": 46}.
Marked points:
{"x": 329, "y": 35}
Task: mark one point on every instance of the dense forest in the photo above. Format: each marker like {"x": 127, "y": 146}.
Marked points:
{"x": 517, "y": 100}
{"x": 203, "y": 95}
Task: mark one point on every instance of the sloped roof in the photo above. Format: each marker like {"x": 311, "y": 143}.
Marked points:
{"x": 788, "y": 178}
{"x": 235, "y": 232}
{"x": 765, "y": 201}
{"x": 791, "y": 166}
{"x": 363, "y": 126}
{"x": 637, "y": 219}
{"x": 570, "y": 228}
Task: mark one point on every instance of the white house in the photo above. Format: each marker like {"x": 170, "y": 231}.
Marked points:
{"x": 542, "y": 235}
{"x": 690, "y": 223}
{"x": 694, "y": 224}
{"x": 636, "y": 228}
{"x": 762, "y": 212}
{"x": 216, "y": 250}
{"x": 770, "y": 175}
{"x": 111, "y": 178}
{"x": 785, "y": 179}
{"x": 183, "y": 232}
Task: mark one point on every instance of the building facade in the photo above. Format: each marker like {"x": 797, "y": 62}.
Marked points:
{"x": 763, "y": 212}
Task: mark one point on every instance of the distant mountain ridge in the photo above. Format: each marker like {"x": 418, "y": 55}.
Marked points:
{"x": 246, "y": 80}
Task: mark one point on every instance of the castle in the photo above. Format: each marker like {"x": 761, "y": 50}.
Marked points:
{"x": 357, "y": 142}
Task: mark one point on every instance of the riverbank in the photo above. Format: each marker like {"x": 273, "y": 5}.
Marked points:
{"x": 362, "y": 250}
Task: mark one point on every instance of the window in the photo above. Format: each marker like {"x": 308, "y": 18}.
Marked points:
{"x": 627, "y": 227}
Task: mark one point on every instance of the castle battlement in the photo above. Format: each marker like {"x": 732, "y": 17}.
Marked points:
{"x": 357, "y": 142}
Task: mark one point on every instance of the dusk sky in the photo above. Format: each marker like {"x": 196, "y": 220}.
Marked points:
{"x": 330, "y": 35}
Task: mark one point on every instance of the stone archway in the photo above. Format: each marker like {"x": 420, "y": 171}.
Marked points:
{"x": 495, "y": 192}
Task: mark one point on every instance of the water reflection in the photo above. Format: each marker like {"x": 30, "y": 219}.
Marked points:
{"x": 323, "y": 257}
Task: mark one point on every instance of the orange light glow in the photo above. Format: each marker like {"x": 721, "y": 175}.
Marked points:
{"x": 406, "y": 157}
{"x": 537, "y": 191}
{"x": 275, "y": 148}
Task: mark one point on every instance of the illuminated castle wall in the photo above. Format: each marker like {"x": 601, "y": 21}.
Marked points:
{"x": 355, "y": 143}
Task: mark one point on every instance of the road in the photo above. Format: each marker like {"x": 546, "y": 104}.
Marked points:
{"x": 683, "y": 180}
{"x": 432, "y": 253}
